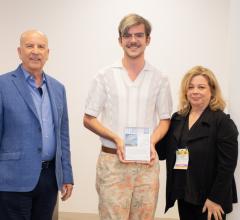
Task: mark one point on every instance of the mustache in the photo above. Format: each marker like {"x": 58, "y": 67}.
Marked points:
{"x": 133, "y": 45}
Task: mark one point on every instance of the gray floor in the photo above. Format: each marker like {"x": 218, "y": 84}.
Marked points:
{"x": 80, "y": 216}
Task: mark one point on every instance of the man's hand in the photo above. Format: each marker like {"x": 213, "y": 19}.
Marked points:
{"x": 152, "y": 154}
{"x": 66, "y": 191}
{"x": 120, "y": 149}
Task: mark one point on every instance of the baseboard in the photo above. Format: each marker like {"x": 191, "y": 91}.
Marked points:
{"x": 88, "y": 216}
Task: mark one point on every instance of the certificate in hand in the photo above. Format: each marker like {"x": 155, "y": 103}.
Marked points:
{"x": 137, "y": 144}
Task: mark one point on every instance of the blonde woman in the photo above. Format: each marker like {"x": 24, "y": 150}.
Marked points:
{"x": 201, "y": 150}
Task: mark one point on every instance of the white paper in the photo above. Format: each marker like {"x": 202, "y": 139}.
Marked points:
{"x": 137, "y": 144}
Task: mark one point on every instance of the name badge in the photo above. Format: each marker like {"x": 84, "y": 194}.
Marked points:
{"x": 182, "y": 158}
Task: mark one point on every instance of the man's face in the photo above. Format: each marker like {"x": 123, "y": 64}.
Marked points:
{"x": 33, "y": 51}
{"x": 134, "y": 41}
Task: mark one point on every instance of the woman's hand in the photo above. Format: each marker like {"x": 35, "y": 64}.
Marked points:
{"x": 213, "y": 209}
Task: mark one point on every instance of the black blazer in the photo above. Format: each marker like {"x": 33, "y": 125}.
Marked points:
{"x": 213, "y": 150}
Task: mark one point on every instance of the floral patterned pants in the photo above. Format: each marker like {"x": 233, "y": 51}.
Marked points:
{"x": 126, "y": 191}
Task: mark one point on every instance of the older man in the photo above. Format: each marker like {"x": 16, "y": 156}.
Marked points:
{"x": 34, "y": 136}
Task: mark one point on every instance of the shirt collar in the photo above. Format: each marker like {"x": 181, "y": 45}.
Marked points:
{"x": 118, "y": 64}
{"x": 30, "y": 78}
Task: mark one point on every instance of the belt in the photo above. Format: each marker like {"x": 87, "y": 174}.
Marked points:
{"x": 47, "y": 164}
{"x": 109, "y": 150}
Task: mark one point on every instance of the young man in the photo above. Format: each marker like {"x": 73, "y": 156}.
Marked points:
{"x": 129, "y": 93}
{"x": 34, "y": 137}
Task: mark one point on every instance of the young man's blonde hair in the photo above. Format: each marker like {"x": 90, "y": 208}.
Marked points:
{"x": 216, "y": 101}
{"x": 133, "y": 20}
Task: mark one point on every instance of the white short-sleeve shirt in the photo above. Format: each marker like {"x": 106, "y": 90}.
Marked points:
{"x": 125, "y": 103}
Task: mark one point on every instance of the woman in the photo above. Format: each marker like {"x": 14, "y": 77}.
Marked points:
{"x": 201, "y": 150}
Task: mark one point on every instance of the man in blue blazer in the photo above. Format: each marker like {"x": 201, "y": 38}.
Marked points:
{"x": 34, "y": 136}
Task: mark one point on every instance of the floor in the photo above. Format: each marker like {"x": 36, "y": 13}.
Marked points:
{"x": 80, "y": 216}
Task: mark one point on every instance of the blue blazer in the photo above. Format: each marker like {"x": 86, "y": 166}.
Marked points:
{"x": 21, "y": 137}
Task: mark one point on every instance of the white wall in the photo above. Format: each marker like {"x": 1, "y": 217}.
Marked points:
{"x": 83, "y": 38}
{"x": 234, "y": 79}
